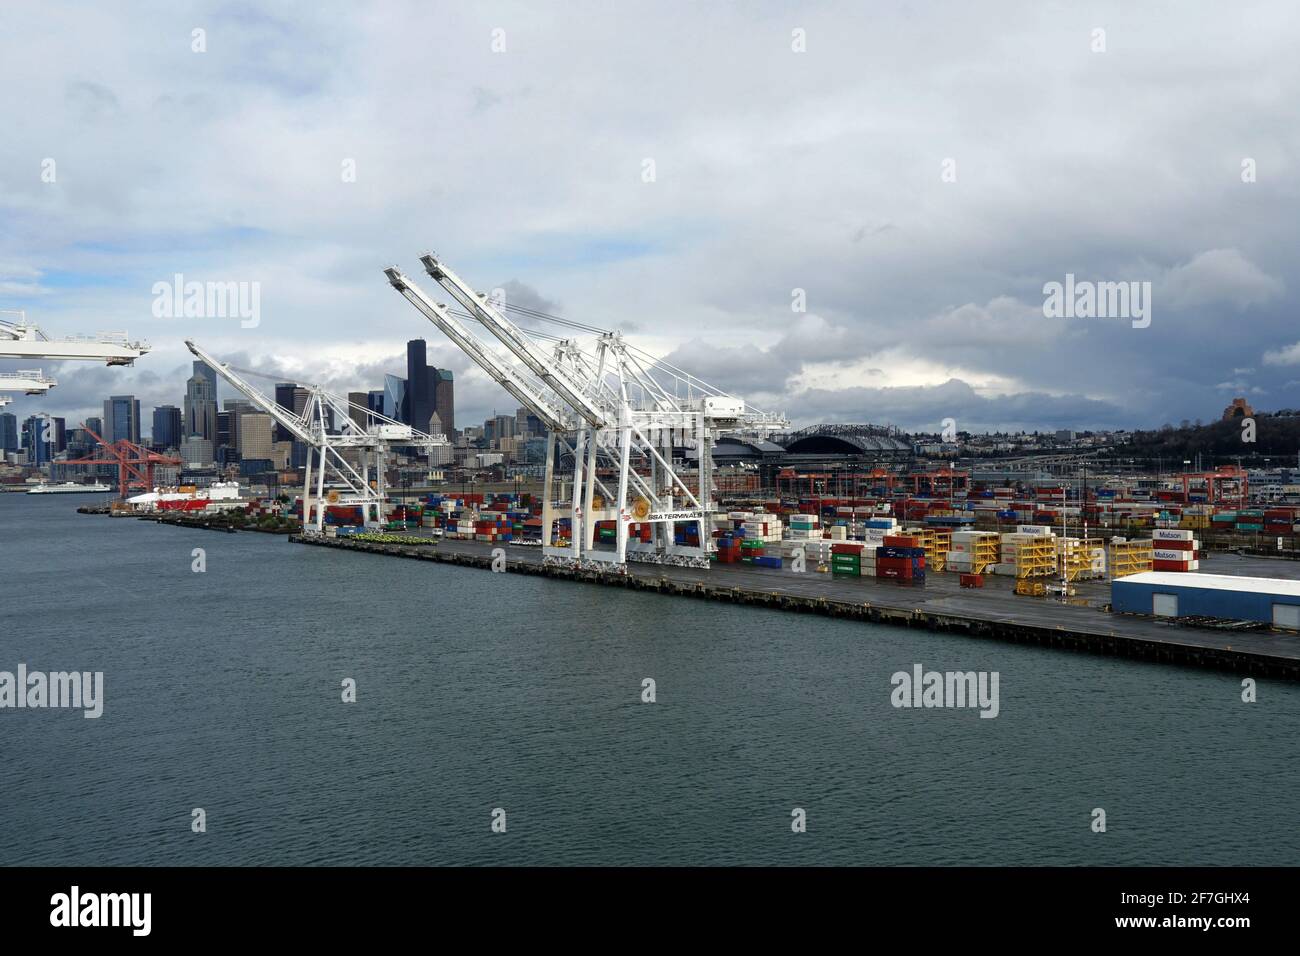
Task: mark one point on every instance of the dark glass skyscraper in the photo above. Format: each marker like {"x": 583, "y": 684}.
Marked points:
{"x": 418, "y": 403}
{"x": 8, "y": 432}
{"x": 121, "y": 419}
{"x": 166, "y": 427}
{"x": 284, "y": 392}
{"x": 428, "y": 390}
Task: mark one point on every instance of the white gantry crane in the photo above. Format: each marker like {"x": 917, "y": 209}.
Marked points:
{"x": 29, "y": 382}
{"x": 346, "y": 461}
{"x": 22, "y": 340}
{"x": 618, "y": 415}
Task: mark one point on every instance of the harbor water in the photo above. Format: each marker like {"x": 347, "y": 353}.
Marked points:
{"x": 475, "y": 692}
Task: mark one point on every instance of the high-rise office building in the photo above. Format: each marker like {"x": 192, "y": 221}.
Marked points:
{"x": 196, "y": 451}
{"x": 222, "y": 439}
{"x": 418, "y": 403}
{"x": 121, "y": 419}
{"x": 444, "y": 398}
{"x": 43, "y": 437}
{"x": 255, "y": 436}
{"x": 395, "y": 397}
{"x": 8, "y": 432}
{"x": 95, "y": 425}
{"x": 284, "y": 397}
{"x": 358, "y": 402}
{"x": 208, "y": 372}
{"x": 201, "y": 404}
{"x": 236, "y": 408}
{"x": 166, "y": 431}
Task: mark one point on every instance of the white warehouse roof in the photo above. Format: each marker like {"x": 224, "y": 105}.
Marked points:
{"x": 1215, "y": 582}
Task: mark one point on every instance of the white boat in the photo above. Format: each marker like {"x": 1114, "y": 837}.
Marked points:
{"x": 69, "y": 488}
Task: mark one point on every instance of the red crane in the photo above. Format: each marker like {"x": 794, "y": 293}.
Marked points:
{"x": 129, "y": 458}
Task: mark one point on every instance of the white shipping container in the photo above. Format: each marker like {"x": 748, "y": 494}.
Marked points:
{"x": 1036, "y": 530}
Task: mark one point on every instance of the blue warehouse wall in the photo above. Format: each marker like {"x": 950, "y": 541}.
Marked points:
{"x": 1238, "y": 605}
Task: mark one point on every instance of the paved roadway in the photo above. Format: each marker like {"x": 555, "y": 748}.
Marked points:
{"x": 995, "y": 602}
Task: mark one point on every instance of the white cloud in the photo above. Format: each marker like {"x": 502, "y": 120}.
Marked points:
{"x": 1287, "y": 355}
{"x": 1219, "y": 277}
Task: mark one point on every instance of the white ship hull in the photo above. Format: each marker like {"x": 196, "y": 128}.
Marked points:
{"x": 70, "y": 488}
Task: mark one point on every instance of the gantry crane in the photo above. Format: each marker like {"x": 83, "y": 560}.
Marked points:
{"x": 23, "y": 340}
{"x": 129, "y": 458}
{"x": 615, "y": 409}
{"x": 29, "y": 382}
{"x": 328, "y": 430}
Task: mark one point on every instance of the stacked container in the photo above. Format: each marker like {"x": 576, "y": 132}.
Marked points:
{"x": 846, "y": 560}
{"x": 1173, "y": 549}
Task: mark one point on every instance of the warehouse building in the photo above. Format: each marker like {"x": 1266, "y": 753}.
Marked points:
{"x": 1177, "y": 594}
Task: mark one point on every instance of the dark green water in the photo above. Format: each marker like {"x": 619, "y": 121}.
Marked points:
{"x": 478, "y": 691}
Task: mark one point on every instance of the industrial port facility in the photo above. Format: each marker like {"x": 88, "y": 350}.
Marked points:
{"x": 651, "y": 477}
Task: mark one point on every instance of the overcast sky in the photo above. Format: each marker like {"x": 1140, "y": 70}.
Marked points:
{"x": 774, "y": 170}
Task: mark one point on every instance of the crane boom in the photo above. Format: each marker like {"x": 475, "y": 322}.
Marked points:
{"x": 283, "y": 416}
{"x": 485, "y": 358}
{"x": 514, "y": 339}
{"x": 30, "y": 381}
{"x": 22, "y": 340}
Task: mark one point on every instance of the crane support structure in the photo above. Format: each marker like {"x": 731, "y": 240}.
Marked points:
{"x": 130, "y": 459}
{"x": 346, "y": 461}
{"x": 621, "y": 429}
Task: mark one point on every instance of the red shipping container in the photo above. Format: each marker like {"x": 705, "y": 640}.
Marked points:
{"x": 901, "y": 541}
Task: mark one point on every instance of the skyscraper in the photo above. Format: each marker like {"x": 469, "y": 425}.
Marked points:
{"x": 166, "y": 431}
{"x": 395, "y": 397}
{"x": 444, "y": 399}
{"x": 43, "y": 437}
{"x": 122, "y": 418}
{"x": 358, "y": 403}
{"x": 284, "y": 397}
{"x": 236, "y": 408}
{"x": 223, "y": 431}
{"x": 418, "y": 403}
{"x": 255, "y": 435}
{"x": 8, "y": 432}
{"x": 205, "y": 370}
{"x": 201, "y": 404}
